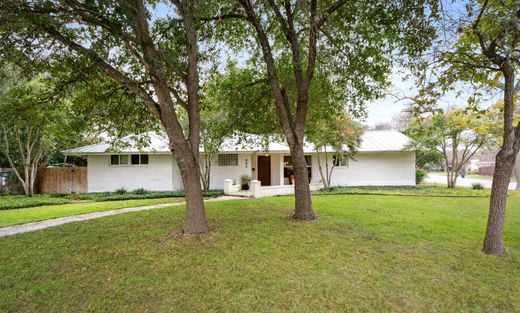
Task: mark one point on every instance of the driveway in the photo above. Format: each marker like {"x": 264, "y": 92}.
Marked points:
{"x": 440, "y": 178}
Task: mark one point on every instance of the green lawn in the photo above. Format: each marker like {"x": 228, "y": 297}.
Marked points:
{"x": 20, "y": 201}
{"x": 33, "y": 214}
{"x": 366, "y": 253}
{"x": 421, "y": 190}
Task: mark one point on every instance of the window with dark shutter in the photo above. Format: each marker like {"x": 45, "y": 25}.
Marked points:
{"x": 114, "y": 159}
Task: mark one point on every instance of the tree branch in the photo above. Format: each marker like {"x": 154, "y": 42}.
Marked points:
{"x": 115, "y": 74}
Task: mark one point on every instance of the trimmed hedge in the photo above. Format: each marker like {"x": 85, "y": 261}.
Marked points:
{"x": 138, "y": 194}
{"x": 19, "y": 201}
{"x": 418, "y": 190}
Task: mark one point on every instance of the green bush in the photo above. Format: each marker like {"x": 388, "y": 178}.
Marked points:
{"x": 19, "y": 201}
{"x": 121, "y": 191}
{"x": 140, "y": 191}
{"x": 245, "y": 179}
{"x": 477, "y": 186}
{"x": 418, "y": 190}
{"x": 111, "y": 196}
{"x": 420, "y": 174}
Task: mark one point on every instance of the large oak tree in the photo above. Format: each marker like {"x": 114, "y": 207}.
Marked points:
{"x": 156, "y": 57}
{"x": 486, "y": 52}
{"x": 358, "y": 42}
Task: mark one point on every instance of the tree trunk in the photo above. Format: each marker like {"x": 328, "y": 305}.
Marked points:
{"x": 450, "y": 185}
{"x": 302, "y": 192}
{"x": 455, "y": 177}
{"x": 205, "y": 171}
{"x": 504, "y": 163}
{"x": 208, "y": 174}
{"x": 517, "y": 171}
{"x": 493, "y": 241}
{"x": 323, "y": 177}
{"x": 196, "y": 222}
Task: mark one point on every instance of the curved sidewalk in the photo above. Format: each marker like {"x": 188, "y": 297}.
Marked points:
{"x": 28, "y": 227}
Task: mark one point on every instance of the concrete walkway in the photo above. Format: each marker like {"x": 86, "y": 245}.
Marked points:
{"x": 24, "y": 228}
{"x": 464, "y": 182}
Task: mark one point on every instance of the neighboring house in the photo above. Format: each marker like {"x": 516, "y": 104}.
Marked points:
{"x": 484, "y": 161}
{"x": 383, "y": 159}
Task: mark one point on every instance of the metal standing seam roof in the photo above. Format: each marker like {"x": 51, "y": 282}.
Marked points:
{"x": 371, "y": 141}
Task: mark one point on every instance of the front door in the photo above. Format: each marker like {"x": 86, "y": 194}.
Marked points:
{"x": 264, "y": 170}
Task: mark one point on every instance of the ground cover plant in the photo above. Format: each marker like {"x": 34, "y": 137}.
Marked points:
{"x": 34, "y": 214}
{"x": 138, "y": 194}
{"x": 19, "y": 201}
{"x": 421, "y": 190}
{"x": 370, "y": 253}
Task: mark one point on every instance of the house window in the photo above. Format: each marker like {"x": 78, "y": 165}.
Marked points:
{"x": 228, "y": 159}
{"x": 117, "y": 159}
{"x": 287, "y": 160}
{"x": 135, "y": 159}
{"x": 122, "y": 159}
{"x": 288, "y": 166}
{"x": 114, "y": 159}
{"x": 340, "y": 160}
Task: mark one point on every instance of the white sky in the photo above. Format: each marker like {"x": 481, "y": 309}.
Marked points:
{"x": 382, "y": 110}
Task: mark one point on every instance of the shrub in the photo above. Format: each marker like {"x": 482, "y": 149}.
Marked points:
{"x": 121, "y": 191}
{"x": 140, "y": 191}
{"x": 19, "y": 202}
{"x": 244, "y": 181}
{"x": 477, "y": 186}
{"x": 420, "y": 174}
{"x": 110, "y": 196}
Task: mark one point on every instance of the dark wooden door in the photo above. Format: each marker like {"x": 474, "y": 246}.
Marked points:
{"x": 264, "y": 170}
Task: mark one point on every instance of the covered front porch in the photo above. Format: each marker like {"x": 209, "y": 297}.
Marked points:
{"x": 275, "y": 169}
{"x": 271, "y": 174}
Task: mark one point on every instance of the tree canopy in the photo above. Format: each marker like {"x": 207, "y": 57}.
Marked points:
{"x": 456, "y": 134}
{"x": 35, "y": 122}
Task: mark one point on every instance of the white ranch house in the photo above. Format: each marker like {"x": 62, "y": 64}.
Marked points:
{"x": 383, "y": 159}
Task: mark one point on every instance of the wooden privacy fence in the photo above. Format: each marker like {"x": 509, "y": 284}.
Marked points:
{"x": 63, "y": 180}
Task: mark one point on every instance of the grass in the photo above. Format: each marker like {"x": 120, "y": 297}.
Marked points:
{"x": 421, "y": 190}
{"x": 20, "y": 201}
{"x": 366, "y": 253}
{"x": 34, "y": 214}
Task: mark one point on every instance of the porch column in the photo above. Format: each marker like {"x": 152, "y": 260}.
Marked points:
{"x": 281, "y": 170}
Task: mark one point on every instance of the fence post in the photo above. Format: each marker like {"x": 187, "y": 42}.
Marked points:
{"x": 256, "y": 186}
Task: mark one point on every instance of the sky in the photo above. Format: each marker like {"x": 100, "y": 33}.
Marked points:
{"x": 382, "y": 110}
